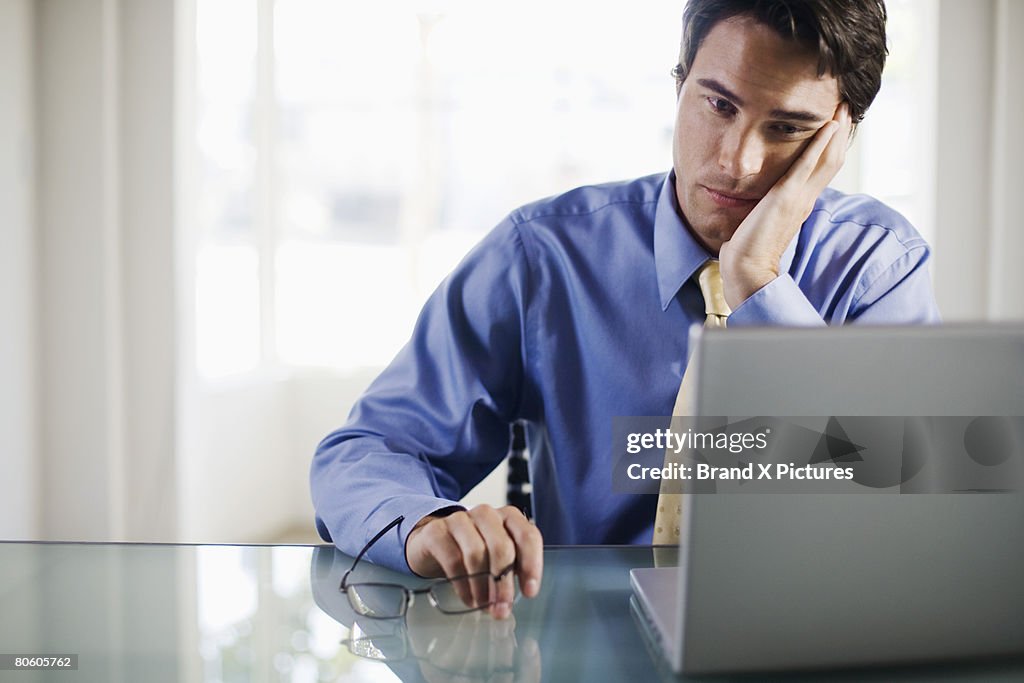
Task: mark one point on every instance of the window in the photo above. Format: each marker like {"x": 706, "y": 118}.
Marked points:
{"x": 895, "y": 158}
{"x": 351, "y": 153}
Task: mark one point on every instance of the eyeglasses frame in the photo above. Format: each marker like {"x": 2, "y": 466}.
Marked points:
{"x": 411, "y": 593}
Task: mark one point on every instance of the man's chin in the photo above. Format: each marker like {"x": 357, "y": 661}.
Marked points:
{"x": 712, "y": 225}
{"x": 711, "y": 233}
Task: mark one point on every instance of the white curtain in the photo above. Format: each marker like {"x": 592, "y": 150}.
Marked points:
{"x": 978, "y": 150}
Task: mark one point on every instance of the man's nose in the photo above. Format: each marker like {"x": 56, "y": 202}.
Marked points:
{"x": 742, "y": 153}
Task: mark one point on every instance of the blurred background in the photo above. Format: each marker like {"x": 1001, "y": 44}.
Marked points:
{"x": 221, "y": 217}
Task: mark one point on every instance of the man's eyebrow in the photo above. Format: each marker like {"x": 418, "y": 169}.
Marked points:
{"x": 712, "y": 84}
{"x": 784, "y": 114}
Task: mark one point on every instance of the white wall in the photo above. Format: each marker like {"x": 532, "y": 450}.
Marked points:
{"x": 19, "y": 517}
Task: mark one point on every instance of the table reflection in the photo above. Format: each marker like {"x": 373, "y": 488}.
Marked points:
{"x": 255, "y": 618}
{"x": 226, "y": 614}
{"x": 426, "y": 644}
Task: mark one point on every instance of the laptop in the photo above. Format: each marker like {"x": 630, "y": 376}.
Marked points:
{"x": 772, "y": 582}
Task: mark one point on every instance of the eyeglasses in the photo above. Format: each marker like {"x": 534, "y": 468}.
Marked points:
{"x": 454, "y": 595}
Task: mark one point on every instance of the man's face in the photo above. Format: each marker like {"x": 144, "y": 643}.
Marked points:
{"x": 750, "y": 104}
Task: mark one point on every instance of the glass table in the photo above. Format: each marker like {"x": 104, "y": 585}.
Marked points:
{"x": 137, "y": 612}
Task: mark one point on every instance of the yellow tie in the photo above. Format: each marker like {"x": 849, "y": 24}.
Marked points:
{"x": 667, "y": 519}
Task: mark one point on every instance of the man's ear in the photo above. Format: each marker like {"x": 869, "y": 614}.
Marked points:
{"x": 677, "y": 73}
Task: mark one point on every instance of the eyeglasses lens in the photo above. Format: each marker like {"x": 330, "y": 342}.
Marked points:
{"x": 469, "y": 593}
{"x": 377, "y": 600}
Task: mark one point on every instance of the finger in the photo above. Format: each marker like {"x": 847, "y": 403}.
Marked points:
{"x": 529, "y": 665}
{"x": 805, "y": 165}
{"x": 463, "y": 529}
{"x": 501, "y": 550}
{"x": 845, "y": 126}
{"x": 446, "y": 552}
{"x": 480, "y": 648}
{"x": 529, "y": 550}
{"x": 474, "y": 590}
{"x": 432, "y": 551}
{"x": 844, "y": 117}
{"x": 474, "y": 556}
{"x": 501, "y": 636}
{"x": 835, "y": 153}
{"x": 453, "y": 651}
{"x": 502, "y": 595}
{"x": 480, "y": 588}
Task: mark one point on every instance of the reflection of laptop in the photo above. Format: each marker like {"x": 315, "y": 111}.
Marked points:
{"x": 770, "y": 582}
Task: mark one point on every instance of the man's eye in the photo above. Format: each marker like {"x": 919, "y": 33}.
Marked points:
{"x": 720, "y": 106}
{"x": 787, "y": 130}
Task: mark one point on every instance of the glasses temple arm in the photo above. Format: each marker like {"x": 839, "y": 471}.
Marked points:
{"x": 373, "y": 540}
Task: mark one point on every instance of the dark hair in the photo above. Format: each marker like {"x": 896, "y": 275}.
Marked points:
{"x": 848, "y": 35}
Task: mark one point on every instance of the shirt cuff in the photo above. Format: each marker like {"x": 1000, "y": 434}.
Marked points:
{"x": 389, "y": 551}
{"x": 778, "y": 303}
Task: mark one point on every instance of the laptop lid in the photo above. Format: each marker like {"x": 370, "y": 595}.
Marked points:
{"x": 790, "y": 581}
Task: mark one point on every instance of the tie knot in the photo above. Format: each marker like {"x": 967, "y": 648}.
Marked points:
{"x": 710, "y": 279}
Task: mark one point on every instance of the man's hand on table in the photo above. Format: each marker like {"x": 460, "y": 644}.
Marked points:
{"x": 750, "y": 259}
{"x": 483, "y": 539}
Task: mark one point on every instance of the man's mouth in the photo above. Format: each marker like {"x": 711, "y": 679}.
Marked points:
{"x": 730, "y": 200}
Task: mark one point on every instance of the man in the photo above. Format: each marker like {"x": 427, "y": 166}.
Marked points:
{"x": 576, "y": 309}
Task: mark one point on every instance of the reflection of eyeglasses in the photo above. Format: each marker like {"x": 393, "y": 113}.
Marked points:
{"x": 454, "y": 595}
{"x": 395, "y": 647}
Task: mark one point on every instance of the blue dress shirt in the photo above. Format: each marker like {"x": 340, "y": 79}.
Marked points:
{"x": 573, "y": 310}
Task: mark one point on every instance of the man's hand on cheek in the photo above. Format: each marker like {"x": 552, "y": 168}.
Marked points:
{"x": 750, "y": 260}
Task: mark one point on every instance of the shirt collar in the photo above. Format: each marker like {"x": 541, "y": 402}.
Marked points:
{"x": 677, "y": 255}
